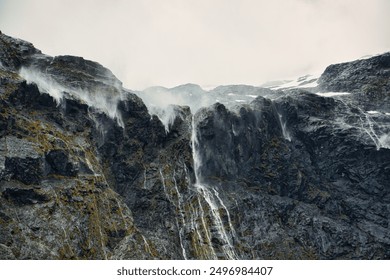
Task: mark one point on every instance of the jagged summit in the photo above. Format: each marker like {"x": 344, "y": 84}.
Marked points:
{"x": 88, "y": 171}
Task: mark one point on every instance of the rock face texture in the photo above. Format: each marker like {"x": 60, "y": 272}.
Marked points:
{"x": 86, "y": 172}
{"x": 71, "y": 172}
{"x": 308, "y": 192}
{"x": 368, "y": 79}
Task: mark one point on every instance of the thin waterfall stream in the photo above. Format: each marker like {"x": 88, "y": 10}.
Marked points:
{"x": 214, "y": 202}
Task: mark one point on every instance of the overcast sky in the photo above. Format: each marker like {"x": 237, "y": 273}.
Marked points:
{"x": 208, "y": 42}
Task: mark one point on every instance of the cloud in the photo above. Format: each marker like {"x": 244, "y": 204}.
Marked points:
{"x": 172, "y": 42}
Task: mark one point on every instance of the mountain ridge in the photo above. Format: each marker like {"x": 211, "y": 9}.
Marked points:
{"x": 88, "y": 172}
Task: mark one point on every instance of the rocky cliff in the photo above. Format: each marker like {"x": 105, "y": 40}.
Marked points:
{"x": 86, "y": 172}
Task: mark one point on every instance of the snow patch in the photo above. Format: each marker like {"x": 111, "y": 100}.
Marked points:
{"x": 330, "y": 94}
{"x": 307, "y": 81}
{"x": 384, "y": 141}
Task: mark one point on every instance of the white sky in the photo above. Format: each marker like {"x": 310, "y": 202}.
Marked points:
{"x": 208, "y": 42}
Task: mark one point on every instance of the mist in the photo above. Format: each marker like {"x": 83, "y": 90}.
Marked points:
{"x": 108, "y": 104}
{"x": 160, "y": 101}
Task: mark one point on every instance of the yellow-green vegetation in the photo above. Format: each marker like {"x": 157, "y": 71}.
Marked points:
{"x": 98, "y": 213}
{"x": 39, "y": 132}
{"x": 201, "y": 246}
{"x": 6, "y": 74}
{"x": 91, "y": 216}
{"x": 50, "y": 137}
{"x": 148, "y": 246}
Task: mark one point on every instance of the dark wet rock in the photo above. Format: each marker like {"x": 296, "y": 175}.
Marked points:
{"x": 6, "y": 253}
{"x": 29, "y": 95}
{"x": 233, "y": 141}
{"x": 20, "y": 161}
{"x": 14, "y": 52}
{"x": 26, "y": 170}
{"x": 320, "y": 184}
{"x": 60, "y": 163}
{"x": 368, "y": 79}
{"x": 301, "y": 176}
{"x": 358, "y": 75}
{"x": 24, "y": 196}
{"x": 56, "y": 201}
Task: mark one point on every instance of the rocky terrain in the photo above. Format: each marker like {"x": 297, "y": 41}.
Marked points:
{"x": 88, "y": 171}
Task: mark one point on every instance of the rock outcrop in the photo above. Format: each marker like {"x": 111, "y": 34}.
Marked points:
{"x": 86, "y": 172}
{"x": 368, "y": 79}
{"x": 75, "y": 150}
{"x": 306, "y": 188}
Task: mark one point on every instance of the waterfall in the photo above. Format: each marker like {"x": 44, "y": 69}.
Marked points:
{"x": 210, "y": 196}
{"x": 204, "y": 224}
{"x": 283, "y": 125}
{"x": 147, "y": 246}
{"x": 377, "y": 133}
{"x": 370, "y": 128}
{"x": 180, "y": 210}
{"x": 195, "y": 154}
{"x": 182, "y": 217}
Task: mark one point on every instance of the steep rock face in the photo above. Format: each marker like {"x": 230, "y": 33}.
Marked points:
{"x": 87, "y": 173}
{"x": 247, "y": 130}
{"x": 71, "y": 172}
{"x": 139, "y": 157}
{"x": 55, "y": 201}
{"x": 302, "y": 176}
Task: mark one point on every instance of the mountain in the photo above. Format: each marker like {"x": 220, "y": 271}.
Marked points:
{"x": 88, "y": 171}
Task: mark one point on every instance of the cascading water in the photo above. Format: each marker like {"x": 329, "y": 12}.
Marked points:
{"x": 182, "y": 217}
{"x": 204, "y": 225}
{"x": 214, "y": 204}
{"x": 371, "y": 130}
{"x": 363, "y": 121}
{"x": 180, "y": 221}
{"x": 283, "y": 125}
